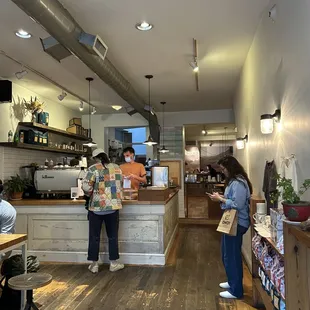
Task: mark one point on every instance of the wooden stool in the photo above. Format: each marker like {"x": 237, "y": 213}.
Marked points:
{"x": 29, "y": 282}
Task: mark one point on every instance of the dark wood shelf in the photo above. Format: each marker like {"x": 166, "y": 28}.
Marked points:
{"x": 52, "y": 130}
{"x": 273, "y": 244}
{"x": 26, "y": 146}
{"x": 263, "y": 294}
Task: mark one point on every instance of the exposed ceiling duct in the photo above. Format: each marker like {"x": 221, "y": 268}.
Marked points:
{"x": 58, "y": 22}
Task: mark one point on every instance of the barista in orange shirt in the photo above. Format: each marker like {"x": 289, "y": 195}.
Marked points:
{"x": 132, "y": 170}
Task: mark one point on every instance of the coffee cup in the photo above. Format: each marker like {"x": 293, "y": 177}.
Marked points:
{"x": 261, "y": 208}
{"x": 259, "y": 218}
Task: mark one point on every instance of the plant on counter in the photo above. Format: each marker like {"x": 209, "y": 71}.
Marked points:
{"x": 294, "y": 208}
{"x": 16, "y": 186}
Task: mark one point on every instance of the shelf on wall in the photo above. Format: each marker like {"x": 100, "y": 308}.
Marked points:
{"x": 52, "y": 130}
{"x": 26, "y": 146}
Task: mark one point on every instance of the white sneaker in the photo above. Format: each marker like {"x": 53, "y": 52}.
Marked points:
{"x": 116, "y": 266}
{"x": 94, "y": 267}
{"x": 227, "y": 295}
{"x": 224, "y": 285}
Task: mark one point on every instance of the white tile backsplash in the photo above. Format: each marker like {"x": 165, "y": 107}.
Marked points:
{"x": 11, "y": 159}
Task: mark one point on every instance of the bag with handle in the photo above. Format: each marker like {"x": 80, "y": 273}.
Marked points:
{"x": 229, "y": 223}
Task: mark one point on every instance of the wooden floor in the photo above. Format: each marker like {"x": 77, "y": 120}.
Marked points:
{"x": 190, "y": 281}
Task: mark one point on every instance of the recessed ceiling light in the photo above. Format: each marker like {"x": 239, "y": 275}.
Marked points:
{"x": 144, "y": 26}
{"x": 23, "y": 34}
{"x": 116, "y": 107}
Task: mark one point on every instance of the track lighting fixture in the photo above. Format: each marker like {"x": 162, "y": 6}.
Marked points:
{"x": 62, "y": 96}
{"x": 93, "y": 111}
{"x": 194, "y": 65}
{"x": 131, "y": 111}
{"x": 81, "y": 107}
{"x": 21, "y": 74}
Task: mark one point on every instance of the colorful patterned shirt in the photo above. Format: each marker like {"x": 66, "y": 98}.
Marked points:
{"x": 104, "y": 186}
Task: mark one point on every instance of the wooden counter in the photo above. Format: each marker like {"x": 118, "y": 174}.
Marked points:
{"x": 58, "y": 230}
{"x": 198, "y": 203}
{"x": 65, "y": 202}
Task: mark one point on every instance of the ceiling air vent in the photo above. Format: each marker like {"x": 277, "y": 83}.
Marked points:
{"x": 94, "y": 44}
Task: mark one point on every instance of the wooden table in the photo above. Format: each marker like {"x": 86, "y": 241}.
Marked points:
{"x": 9, "y": 242}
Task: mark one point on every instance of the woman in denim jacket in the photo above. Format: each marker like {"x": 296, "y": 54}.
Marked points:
{"x": 237, "y": 196}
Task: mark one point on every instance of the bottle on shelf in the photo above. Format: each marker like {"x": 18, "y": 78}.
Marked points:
{"x": 21, "y": 136}
{"x": 10, "y": 136}
{"x": 46, "y": 163}
{"x": 51, "y": 164}
{"x": 16, "y": 137}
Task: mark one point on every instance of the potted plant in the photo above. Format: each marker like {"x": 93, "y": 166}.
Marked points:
{"x": 294, "y": 208}
{"x": 16, "y": 186}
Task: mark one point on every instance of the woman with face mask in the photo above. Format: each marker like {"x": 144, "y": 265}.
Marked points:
{"x": 237, "y": 196}
{"x": 103, "y": 185}
{"x": 133, "y": 171}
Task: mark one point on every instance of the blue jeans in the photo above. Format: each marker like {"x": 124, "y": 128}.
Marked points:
{"x": 111, "y": 222}
{"x": 232, "y": 260}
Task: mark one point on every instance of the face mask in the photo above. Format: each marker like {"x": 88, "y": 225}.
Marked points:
{"x": 127, "y": 159}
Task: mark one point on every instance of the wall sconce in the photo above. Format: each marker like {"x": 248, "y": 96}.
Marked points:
{"x": 241, "y": 142}
{"x": 266, "y": 121}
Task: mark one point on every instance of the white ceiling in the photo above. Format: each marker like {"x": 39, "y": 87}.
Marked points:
{"x": 224, "y": 30}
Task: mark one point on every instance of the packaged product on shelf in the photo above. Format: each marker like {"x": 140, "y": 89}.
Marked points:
{"x": 282, "y": 304}
{"x": 40, "y": 137}
{"x": 268, "y": 262}
{"x": 280, "y": 245}
{"x": 45, "y": 139}
{"x": 267, "y": 286}
{"x": 276, "y": 300}
{"x": 21, "y": 136}
{"x": 32, "y": 136}
{"x": 277, "y": 216}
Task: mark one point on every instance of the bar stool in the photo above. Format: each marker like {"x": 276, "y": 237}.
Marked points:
{"x": 29, "y": 282}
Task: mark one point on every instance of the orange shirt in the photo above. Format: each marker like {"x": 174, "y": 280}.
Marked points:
{"x": 136, "y": 169}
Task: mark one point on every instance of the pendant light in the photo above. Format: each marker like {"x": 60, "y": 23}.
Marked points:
{"x": 163, "y": 150}
{"x": 90, "y": 142}
{"x": 149, "y": 141}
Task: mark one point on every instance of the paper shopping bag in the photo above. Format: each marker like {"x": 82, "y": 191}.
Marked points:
{"x": 229, "y": 222}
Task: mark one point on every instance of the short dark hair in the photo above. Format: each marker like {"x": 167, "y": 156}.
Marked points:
{"x": 129, "y": 149}
{"x": 1, "y": 187}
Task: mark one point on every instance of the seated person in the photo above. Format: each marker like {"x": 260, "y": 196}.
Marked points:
{"x": 7, "y": 219}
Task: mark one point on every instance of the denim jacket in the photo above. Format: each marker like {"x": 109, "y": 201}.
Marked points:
{"x": 237, "y": 195}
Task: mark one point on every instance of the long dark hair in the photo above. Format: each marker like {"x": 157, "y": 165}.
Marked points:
{"x": 104, "y": 159}
{"x": 235, "y": 170}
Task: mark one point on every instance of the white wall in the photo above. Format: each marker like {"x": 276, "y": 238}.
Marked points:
{"x": 276, "y": 74}
{"x": 12, "y": 113}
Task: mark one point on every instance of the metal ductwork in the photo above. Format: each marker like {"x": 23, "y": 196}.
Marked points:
{"x": 58, "y": 22}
